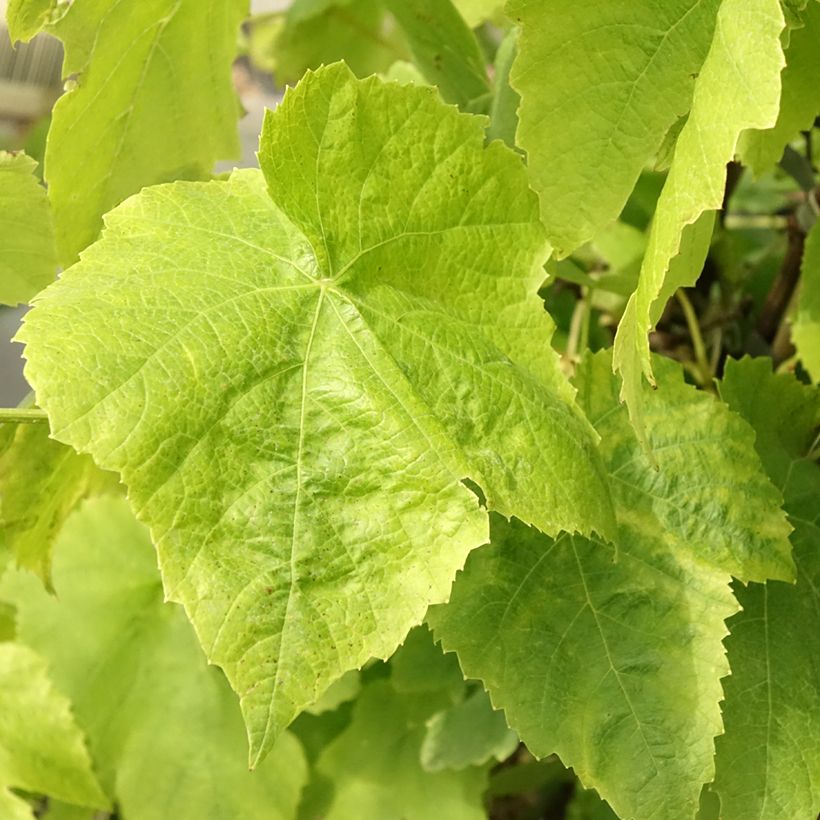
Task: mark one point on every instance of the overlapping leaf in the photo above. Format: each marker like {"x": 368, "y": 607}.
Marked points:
{"x": 601, "y": 83}
{"x": 806, "y": 330}
{"x": 614, "y": 662}
{"x": 312, "y": 34}
{"x": 164, "y": 728}
{"x": 41, "y": 483}
{"x": 27, "y": 256}
{"x": 768, "y": 761}
{"x": 445, "y": 50}
{"x": 738, "y": 88}
{"x": 41, "y": 747}
{"x": 800, "y": 99}
{"x": 293, "y": 383}
{"x": 375, "y": 765}
{"x": 151, "y": 101}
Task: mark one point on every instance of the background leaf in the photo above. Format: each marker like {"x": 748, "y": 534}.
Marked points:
{"x": 155, "y": 713}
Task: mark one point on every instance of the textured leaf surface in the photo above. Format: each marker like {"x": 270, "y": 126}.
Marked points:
{"x": 41, "y": 747}
{"x": 806, "y": 330}
{"x": 155, "y": 713}
{"x": 616, "y": 664}
{"x": 469, "y": 733}
{"x": 27, "y": 256}
{"x": 445, "y": 50}
{"x": 294, "y": 423}
{"x": 800, "y": 100}
{"x": 41, "y": 483}
{"x": 601, "y": 83}
{"x": 375, "y": 765}
{"x": 738, "y": 88}
{"x": 152, "y": 101}
{"x": 768, "y": 761}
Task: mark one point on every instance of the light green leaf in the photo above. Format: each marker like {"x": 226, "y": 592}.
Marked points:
{"x": 586, "y": 805}
{"x": 8, "y": 620}
{"x": 601, "y": 83}
{"x": 445, "y": 50}
{"x": 41, "y": 483}
{"x": 313, "y": 34}
{"x": 738, "y": 88}
{"x": 504, "y": 108}
{"x": 476, "y": 12}
{"x": 152, "y": 101}
{"x": 806, "y": 329}
{"x": 294, "y": 424}
{"x": 41, "y": 748}
{"x": 342, "y": 691}
{"x": 375, "y": 766}
{"x": 25, "y": 18}
{"x": 800, "y": 101}
{"x": 469, "y": 733}
{"x": 27, "y": 256}
{"x": 768, "y": 761}
{"x": 614, "y": 662}
{"x": 155, "y": 713}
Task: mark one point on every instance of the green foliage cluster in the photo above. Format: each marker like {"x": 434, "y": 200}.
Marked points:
{"x": 459, "y": 460}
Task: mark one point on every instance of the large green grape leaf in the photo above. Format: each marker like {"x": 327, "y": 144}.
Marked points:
{"x": 738, "y": 88}
{"x": 295, "y": 420}
{"x": 27, "y": 257}
{"x": 41, "y": 747}
{"x": 768, "y": 761}
{"x": 41, "y": 483}
{"x": 806, "y": 329}
{"x": 151, "y": 101}
{"x": 164, "y": 728}
{"x": 445, "y": 50}
{"x": 800, "y": 100}
{"x": 375, "y": 764}
{"x": 601, "y": 83}
{"x": 614, "y": 662}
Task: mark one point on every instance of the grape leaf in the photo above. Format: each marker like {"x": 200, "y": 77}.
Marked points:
{"x": 505, "y": 102}
{"x": 616, "y": 664}
{"x": 476, "y": 12}
{"x": 27, "y": 256}
{"x": 41, "y": 483}
{"x": 26, "y": 18}
{"x": 313, "y": 34}
{"x": 41, "y": 747}
{"x": 601, "y": 83}
{"x": 155, "y": 713}
{"x": 151, "y": 101}
{"x": 294, "y": 422}
{"x": 800, "y": 100}
{"x": 806, "y": 329}
{"x": 468, "y": 733}
{"x": 768, "y": 761}
{"x": 375, "y": 766}
{"x": 738, "y": 88}
{"x": 446, "y": 51}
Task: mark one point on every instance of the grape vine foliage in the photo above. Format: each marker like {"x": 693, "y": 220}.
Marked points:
{"x": 455, "y": 455}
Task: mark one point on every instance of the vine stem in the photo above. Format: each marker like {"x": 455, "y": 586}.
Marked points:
{"x": 20, "y": 415}
{"x": 701, "y": 358}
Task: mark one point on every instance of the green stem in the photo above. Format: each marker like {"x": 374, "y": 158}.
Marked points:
{"x": 20, "y": 415}
{"x": 705, "y": 369}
